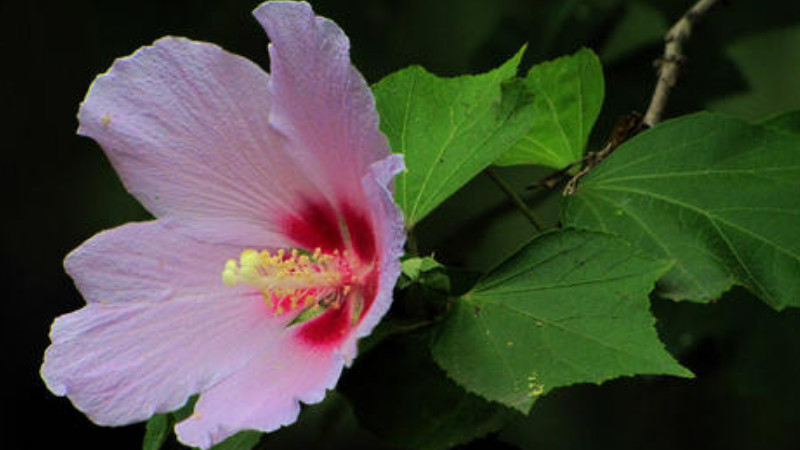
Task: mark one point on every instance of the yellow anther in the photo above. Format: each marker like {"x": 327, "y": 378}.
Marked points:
{"x": 229, "y": 275}
{"x": 291, "y": 279}
{"x": 249, "y": 257}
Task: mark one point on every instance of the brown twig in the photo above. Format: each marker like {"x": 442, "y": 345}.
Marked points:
{"x": 627, "y": 127}
{"x": 553, "y": 179}
{"x": 669, "y": 64}
{"x": 668, "y": 68}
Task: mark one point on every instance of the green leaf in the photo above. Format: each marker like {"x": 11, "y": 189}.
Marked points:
{"x": 784, "y": 123}
{"x": 156, "y": 432}
{"x": 718, "y": 196}
{"x": 243, "y": 440}
{"x": 159, "y": 427}
{"x": 186, "y": 410}
{"x": 399, "y": 394}
{"x": 449, "y": 129}
{"x": 749, "y": 358}
{"x": 427, "y": 272}
{"x": 770, "y": 63}
{"x": 568, "y": 94}
{"x": 641, "y": 25}
{"x": 570, "y": 307}
{"x": 415, "y": 267}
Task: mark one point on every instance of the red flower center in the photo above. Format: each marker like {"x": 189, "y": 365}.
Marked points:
{"x": 328, "y": 290}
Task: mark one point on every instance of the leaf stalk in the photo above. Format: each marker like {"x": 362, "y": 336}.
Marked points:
{"x": 515, "y": 199}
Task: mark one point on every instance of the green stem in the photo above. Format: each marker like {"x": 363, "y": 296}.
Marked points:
{"x": 518, "y": 202}
{"x": 411, "y": 243}
{"x": 412, "y": 327}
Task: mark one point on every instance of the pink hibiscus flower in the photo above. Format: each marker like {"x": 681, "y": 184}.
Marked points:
{"x": 272, "y": 198}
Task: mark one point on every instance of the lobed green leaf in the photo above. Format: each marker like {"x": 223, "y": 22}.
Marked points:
{"x": 570, "y": 307}
{"x": 568, "y": 93}
{"x": 449, "y": 129}
{"x": 718, "y": 196}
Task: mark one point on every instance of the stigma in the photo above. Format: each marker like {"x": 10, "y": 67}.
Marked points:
{"x": 293, "y": 280}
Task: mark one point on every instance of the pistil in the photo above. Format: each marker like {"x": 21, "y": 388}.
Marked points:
{"x": 293, "y": 280}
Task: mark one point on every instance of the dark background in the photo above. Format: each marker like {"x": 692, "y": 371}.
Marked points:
{"x": 59, "y": 190}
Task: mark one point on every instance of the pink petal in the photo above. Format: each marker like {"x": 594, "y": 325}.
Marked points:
{"x": 319, "y": 100}
{"x": 185, "y": 125}
{"x": 264, "y": 395}
{"x": 390, "y": 232}
{"x": 160, "y": 325}
{"x": 225, "y": 155}
{"x": 149, "y": 262}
